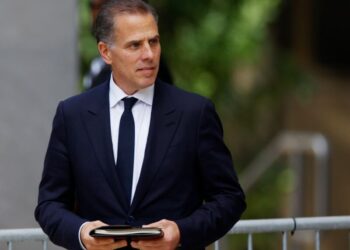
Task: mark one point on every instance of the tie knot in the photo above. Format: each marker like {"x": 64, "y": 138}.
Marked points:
{"x": 129, "y": 102}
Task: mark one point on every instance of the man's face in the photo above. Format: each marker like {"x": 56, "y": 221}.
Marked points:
{"x": 135, "y": 51}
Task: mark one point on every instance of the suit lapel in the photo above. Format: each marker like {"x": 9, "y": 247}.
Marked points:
{"x": 97, "y": 120}
{"x": 164, "y": 121}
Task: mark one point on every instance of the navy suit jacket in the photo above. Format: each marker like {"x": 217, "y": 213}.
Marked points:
{"x": 187, "y": 174}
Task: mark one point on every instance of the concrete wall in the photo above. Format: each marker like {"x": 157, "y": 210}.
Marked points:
{"x": 38, "y": 67}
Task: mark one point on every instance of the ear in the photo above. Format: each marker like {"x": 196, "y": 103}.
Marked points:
{"x": 104, "y": 52}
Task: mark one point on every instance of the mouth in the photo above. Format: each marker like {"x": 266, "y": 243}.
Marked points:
{"x": 146, "y": 68}
{"x": 147, "y": 71}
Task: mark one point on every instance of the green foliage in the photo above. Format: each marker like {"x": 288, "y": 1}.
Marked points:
{"x": 87, "y": 44}
{"x": 203, "y": 40}
{"x": 222, "y": 49}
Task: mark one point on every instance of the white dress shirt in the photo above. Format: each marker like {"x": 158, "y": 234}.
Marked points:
{"x": 142, "y": 117}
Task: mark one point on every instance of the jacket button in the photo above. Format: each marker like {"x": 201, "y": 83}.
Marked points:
{"x": 130, "y": 219}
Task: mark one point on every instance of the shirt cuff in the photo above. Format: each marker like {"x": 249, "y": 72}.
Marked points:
{"x": 81, "y": 243}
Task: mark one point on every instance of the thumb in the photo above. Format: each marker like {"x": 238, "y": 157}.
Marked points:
{"x": 160, "y": 224}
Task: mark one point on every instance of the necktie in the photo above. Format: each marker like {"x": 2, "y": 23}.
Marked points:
{"x": 126, "y": 145}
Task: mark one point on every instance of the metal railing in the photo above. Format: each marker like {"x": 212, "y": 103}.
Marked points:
{"x": 18, "y": 235}
{"x": 294, "y": 144}
{"x": 249, "y": 227}
{"x": 289, "y": 226}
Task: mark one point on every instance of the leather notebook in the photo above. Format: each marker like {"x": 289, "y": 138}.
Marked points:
{"x": 127, "y": 232}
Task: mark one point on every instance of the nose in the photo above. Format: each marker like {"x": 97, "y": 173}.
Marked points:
{"x": 147, "y": 52}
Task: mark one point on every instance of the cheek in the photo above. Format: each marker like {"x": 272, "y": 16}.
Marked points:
{"x": 130, "y": 62}
{"x": 124, "y": 64}
{"x": 121, "y": 57}
{"x": 158, "y": 50}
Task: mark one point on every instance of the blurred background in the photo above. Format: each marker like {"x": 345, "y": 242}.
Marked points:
{"x": 278, "y": 72}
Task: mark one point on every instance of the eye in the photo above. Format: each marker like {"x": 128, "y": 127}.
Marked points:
{"x": 135, "y": 45}
{"x": 154, "y": 41}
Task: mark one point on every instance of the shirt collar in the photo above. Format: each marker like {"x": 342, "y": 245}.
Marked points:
{"x": 116, "y": 94}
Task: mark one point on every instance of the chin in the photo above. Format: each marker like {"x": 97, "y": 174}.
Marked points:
{"x": 147, "y": 82}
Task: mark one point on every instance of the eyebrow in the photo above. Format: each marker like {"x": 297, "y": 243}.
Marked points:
{"x": 138, "y": 41}
{"x": 155, "y": 37}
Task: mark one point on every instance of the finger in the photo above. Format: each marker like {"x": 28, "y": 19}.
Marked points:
{"x": 98, "y": 223}
{"x": 119, "y": 244}
{"x": 142, "y": 245}
{"x": 103, "y": 245}
{"x": 102, "y": 241}
{"x": 160, "y": 224}
{"x": 92, "y": 242}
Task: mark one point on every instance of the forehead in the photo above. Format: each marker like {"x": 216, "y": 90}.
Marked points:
{"x": 135, "y": 26}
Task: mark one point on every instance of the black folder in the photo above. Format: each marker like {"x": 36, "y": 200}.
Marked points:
{"x": 126, "y": 232}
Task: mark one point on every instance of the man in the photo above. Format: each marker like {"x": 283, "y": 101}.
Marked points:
{"x": 158, "y": 160}
{"x": 100, "y": 72}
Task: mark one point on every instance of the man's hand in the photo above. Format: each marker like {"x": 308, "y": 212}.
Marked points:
{"x": 169, "y": 241}
{"x": 93, "y": 243}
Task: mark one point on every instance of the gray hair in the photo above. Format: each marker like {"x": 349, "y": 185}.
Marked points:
{"x": 103, "y": 28}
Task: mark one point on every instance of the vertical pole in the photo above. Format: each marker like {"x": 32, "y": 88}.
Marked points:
{"x": 284, "y": 241}
{"x": 44, "y": 244}
{"x": 296, "y": 162}
{"x": 217, "y": 245}
{"x": 321, "y": 191}
{"x": 9, "y": 245}
{"x": 221, "y": 244}
{"x": 250, "y": 241}
{"x": 317, "y": 241}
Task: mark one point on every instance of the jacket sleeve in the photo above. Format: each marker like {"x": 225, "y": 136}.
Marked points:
{"x": 54, "y": 211}
{"x": 224, "y": 200}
